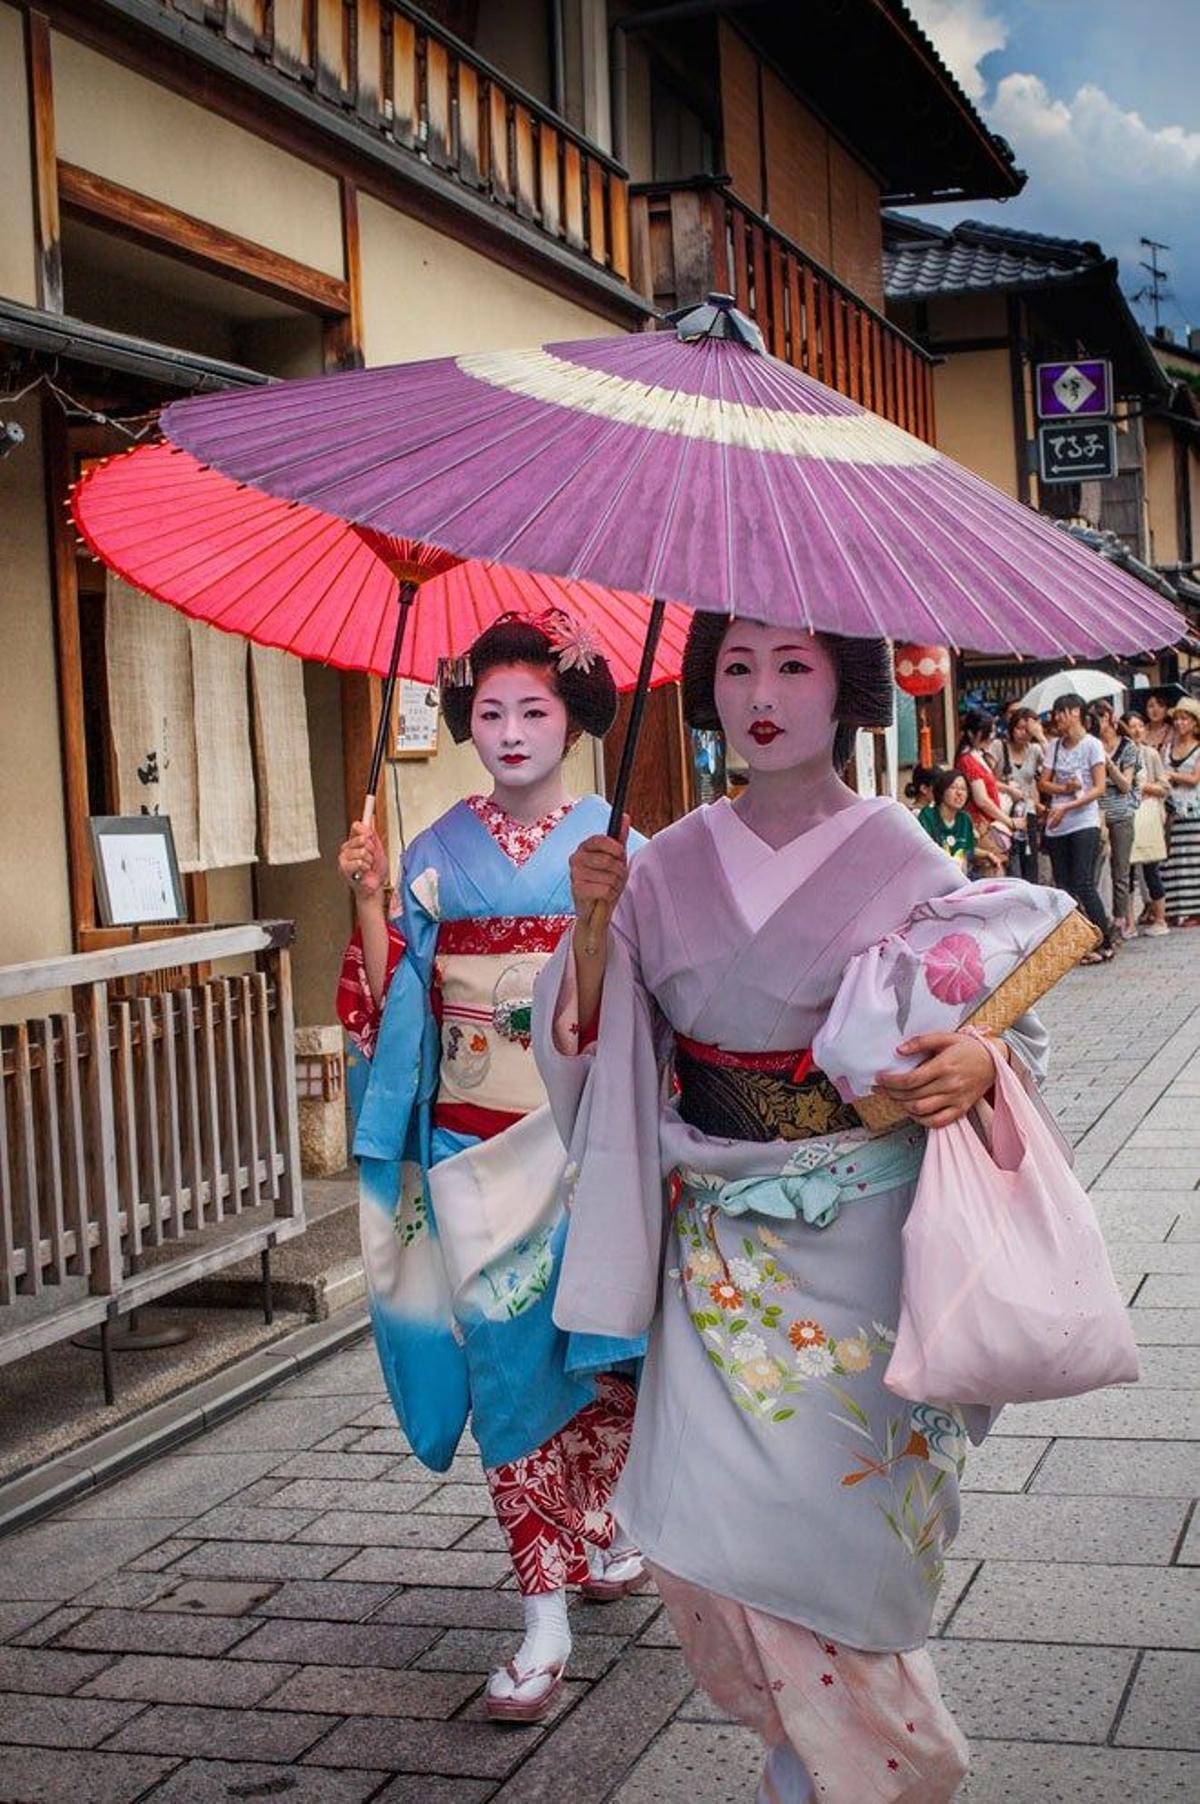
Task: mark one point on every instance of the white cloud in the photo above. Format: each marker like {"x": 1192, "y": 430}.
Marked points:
{"x": 1096, "y": 169}
{"x": 964, "y": 31}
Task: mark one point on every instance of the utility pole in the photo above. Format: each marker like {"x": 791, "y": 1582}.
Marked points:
{"x": 1155, "y": 290}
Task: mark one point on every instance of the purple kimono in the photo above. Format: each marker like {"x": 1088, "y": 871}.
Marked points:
{"x": 769, "y": 1463}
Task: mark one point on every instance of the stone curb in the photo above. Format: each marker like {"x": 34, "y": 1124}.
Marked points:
{"x": 180, "y": 1419}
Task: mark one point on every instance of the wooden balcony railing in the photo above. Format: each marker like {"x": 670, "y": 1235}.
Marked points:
{"x": 147, "y": 1135}
{"x": 427, "y": 92}
{"x": 690, "y": 238}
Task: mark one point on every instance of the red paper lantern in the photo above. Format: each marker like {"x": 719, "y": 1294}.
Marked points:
{"x": 922, "y": 669}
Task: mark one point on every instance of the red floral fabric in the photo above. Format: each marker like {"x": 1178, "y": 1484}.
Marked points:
{"x": 556, "y": 1498}
{"x": 518, "y": 840}
{"x": 357, "y": 1009}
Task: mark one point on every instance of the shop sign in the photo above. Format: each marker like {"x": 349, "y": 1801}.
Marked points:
{"x": 1077, "y": 453}
{"x": 1078, "y": 390}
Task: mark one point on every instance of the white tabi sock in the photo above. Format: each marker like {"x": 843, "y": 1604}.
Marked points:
{"x": 784, "y": 1779}
{"x": 546, "y": 1647}
{"x": 620, "y": 1560}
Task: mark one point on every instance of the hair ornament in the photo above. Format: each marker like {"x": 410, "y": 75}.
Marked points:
{"x": 455, "y": 673}
{"x": 572, "y": 640}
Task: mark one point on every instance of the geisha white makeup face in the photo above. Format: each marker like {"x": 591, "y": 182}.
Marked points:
{"x": 518, "y": 725}
{"x": 775, "y": 690}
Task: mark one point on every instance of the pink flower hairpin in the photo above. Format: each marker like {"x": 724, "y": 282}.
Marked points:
{"x": 572, "y": 640}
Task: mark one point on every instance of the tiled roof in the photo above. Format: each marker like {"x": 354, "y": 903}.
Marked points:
{"x": 921, "y": 260}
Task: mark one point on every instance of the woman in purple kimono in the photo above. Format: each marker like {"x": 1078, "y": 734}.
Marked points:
{"x": 461, "y": 1165}
{"x": 794, "y": 1512}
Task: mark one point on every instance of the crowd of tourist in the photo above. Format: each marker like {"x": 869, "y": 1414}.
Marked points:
{"x": 1103, "y": 804}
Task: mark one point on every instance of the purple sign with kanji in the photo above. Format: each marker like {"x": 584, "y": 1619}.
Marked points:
{"x": 1074, "y": 391}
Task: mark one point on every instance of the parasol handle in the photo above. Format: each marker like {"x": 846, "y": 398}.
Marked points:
{"x": 408, "y": 593}
{"x": 598, "y": 917}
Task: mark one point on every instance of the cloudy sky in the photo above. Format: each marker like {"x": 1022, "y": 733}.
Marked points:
{"x": 1100, "y": 101}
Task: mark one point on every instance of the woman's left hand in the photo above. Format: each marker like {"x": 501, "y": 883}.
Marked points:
{"x": 956, "y": 1072}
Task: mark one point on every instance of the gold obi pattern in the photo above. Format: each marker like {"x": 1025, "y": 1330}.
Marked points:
{"x": 484, "y": 973}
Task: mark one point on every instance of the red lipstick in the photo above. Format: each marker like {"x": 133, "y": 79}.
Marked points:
{"x": 764, "y": 731}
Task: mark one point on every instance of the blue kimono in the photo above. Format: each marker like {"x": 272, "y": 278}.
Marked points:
{"x": 453, "y": 1069}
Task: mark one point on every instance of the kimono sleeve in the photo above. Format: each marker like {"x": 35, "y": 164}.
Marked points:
{"x": 404, "y": 1063}
{"x": 357, "y": 1009}
{"x": 605, "y": 1101}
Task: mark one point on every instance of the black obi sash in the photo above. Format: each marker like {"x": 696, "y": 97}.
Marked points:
{"x": 757, "y": 1095}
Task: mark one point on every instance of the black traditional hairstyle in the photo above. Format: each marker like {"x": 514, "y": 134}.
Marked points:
{"x": 590, "y": 696}
{"x": 864, "y": 674}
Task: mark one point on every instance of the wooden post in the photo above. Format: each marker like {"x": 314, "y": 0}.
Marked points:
{"x": 43, "y": 153}
{"x": 101, "y": 1148}
{"x": 69, "y": 661}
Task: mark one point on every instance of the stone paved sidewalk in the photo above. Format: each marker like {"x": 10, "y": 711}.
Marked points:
{"x": 291, "y": 1606}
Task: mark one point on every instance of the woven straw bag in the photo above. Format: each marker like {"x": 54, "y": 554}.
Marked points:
{"x": 1058, "y": 953}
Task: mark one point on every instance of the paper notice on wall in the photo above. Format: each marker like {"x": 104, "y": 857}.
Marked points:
{"x": 287, "y": 816}
{"x": 149, "y": 669}
{"x": 224, "y": 765}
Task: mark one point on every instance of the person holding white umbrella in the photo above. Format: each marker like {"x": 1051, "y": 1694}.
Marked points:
{"x": 1090, "y": 685}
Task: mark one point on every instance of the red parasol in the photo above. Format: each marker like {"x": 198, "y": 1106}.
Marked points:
{"x": 287, "y": 576}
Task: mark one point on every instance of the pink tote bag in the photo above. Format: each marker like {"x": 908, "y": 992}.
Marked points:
{"x": 1007, "y": 1295}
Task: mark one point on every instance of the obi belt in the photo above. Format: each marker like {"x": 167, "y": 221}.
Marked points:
{"x": 484, "y": 970}
{"x": 757, "y": 1095}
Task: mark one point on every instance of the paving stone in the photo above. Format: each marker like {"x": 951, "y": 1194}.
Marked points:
{"x": 957, "y": 1577}
{"x": 218, "y": 1781}
{"x": 162, "y": 1556}
{"x": 458, "y": 1500}
{"x": 403, "y": 1746}
{"x": 659, "y": 1633}
{"x": 1003, "y": 1463}
{"x": 326, "y": 1466}
{"x": 1166, "y": 1327}
{"x": 1013, "y": 1772}
{"x": 1169, "y": 1368}
{"x": 237, "y": 1734}
{"x": 464, "y": 1468}
{"x": 16, "y": 1618}
{"x": 147, "y": 1632}
{"x": 699, "y": 1708}
{"x": 1113, "y": 1531}
{"x": 241, "y": 1522}
{"x": 1163, "y": 1710}
{"x": 1120, "y": 1469}
{"x": 361, "y": 1691}
{"x": 304, "y": 1422}
{"x": 1113, "y": 1606}
{"x": 1123, "y": 1412}
{"x": 1029, "y": 1692}
{"x": 29, "y": 1720}
{"x": 1161, "y": 1291}
{"x": 415, "y": 1788}
{"x": 350, "y": 1493}
{"x": 349, "y": 1374}
{"x": 261, "y": 1560}
{"x": 608, "y": 1732}
{"x": 46, "y": 1670}
{"x": 379, "y": 1415}
{"x": 158, "y": 1679}
{"x": 336, "y": 1643}
{"x": 340, "y": 1441}
{"x": 485, "y": 1536}
{"x": 374, "y": 1440}
{"x": 47, "y": 1629}
{"x": 1189, "y": 1553}
{"x": 329, "y": 1602}
{"x": 46, "y": 1776}
{"x": 385, "y": 1528}
{"x": 441, "y": 1607}
{"x": 692, "y": 1761}
{"x": 174, "y": 1485}
{"x": 426, "y": 1566}
{"x": 57, "y": 1560}
{"x": 127, "y": 1590}
{"x": 213, "y": 1597}
{"x": 481, "y": 1651}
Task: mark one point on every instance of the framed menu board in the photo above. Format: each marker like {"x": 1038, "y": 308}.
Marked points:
{"x": 417, "y": 721}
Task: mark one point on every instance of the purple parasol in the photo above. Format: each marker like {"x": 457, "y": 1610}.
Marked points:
{"x": 689, "y": 465}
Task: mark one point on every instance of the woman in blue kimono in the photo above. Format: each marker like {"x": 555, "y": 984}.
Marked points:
{"x": 461, "y": 1166}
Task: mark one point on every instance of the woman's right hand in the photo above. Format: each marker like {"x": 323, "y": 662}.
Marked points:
{"x": 599, "y": 869}
{"x": 362, "y": 862}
